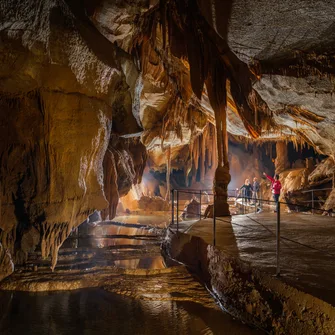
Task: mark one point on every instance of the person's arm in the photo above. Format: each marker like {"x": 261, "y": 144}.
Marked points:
{"x": 270, "y": 178}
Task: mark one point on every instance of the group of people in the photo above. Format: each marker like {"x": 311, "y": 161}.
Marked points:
{"x": 251, "y": 192}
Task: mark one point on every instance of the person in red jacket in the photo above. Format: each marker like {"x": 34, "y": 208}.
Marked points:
{"x": 276, "y": 187}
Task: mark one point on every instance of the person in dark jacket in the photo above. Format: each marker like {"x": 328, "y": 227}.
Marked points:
{"x": 246, "y": 190}
{"x": 276, "y": 187}
{"x": 255, "y": 192}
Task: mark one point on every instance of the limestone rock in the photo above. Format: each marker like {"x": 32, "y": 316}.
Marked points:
{"x": 124, "y": 164}
{"x": 324, "y": 170}
{"x": 153, "y": 204}
{"x": 61, "y": 82}
{"x": 192, "y": 208}
{"x": 330, "y": 203}
{"x": 6, "y": 263}
{"x": 86, "y": 88}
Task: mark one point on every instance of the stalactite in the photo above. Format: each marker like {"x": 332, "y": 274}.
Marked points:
{"x": 203, "y": 142}
{"x": 111, "y": 187}
{"x": 53, "y": 237}
{"x": 168, "y": 173}
{"x": 196, "y": 154}
{"x": 215, "y": 150}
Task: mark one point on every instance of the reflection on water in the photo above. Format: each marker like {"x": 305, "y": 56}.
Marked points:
{"x": 156, "y": 262}
{"x": 142, "y": 300}
{"x": 130, "y": 242}
{"x": 96, "y": 311}
{"x": 159, "y": 221}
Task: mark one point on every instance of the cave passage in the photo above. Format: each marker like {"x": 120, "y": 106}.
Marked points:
{"x": 108, "y": 107}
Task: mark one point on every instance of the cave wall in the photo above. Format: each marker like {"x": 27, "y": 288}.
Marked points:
{"x": 61, "y": 85}
{"x": 124, "y": 163}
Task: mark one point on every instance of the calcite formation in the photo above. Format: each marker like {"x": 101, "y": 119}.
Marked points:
{"x": 61, "y": 85}
{"x": 90, "y": 90}
{"x": 6, "y": 263}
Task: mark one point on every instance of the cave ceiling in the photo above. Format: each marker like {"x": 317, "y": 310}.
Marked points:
{"x": 286, "y": 50}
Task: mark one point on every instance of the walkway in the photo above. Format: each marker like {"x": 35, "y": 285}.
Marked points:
{"x": 309, "y": 265}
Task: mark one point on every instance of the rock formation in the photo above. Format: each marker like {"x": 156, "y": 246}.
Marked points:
{"x": 61, "y": 84}
{"x": 89, "y": 90}
{"x": 281, "y": 162}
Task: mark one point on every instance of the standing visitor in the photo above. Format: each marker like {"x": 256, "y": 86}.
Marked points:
{"x": 255, "y": 192}
{"x": 246, "y": 190}
{"x": 276, "y": 187}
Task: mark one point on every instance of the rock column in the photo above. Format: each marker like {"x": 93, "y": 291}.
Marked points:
{"x": 281, "y": 162}
{"x": 222, "y": 176}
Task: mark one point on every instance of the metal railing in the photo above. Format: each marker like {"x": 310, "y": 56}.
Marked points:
{"x": 259, "y": 206}
{"x": 312, "y": 191}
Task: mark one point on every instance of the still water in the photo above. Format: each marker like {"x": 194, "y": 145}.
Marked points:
{"x": 95, "y": 311}
{"x": 167, "y": 300}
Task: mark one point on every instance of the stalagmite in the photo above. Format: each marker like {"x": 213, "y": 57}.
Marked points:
{"x": 222, "y": 176}
{"x": 216, "y": 86}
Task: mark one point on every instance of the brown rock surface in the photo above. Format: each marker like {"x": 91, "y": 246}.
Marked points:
{"x": 6, "y": 263}
{"x": 167, "y": 73}
{"x": 255, "y": 297}
{"x": 153, "y": 204}
{"x": 60, "y": 84}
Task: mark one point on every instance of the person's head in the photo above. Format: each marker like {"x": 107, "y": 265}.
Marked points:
{"x": 247, "y": 182}
{"x": 255, "y": 179}
{"x": 277, "y": 176}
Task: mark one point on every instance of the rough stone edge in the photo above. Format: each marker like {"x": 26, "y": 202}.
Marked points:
{"x": 256, "y": 298}
{"x": 6, "y": 263}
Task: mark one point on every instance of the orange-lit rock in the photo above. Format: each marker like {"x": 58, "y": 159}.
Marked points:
{"x": 87, "y": 88}
{"x": 152, "y": 204}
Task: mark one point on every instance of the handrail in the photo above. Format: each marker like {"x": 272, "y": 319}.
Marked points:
{"x": 317, "y": 189}
{"x": 256, "y": 201}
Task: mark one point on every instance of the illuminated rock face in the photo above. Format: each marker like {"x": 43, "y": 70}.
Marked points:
{"x": 124, "y": 163}
{"x": 281, "y": 161}
{"x": 87, "y": 89}
{"x": 61, "y": 84}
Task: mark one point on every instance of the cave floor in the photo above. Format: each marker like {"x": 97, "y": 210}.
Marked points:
{"x": 307, "y": 248}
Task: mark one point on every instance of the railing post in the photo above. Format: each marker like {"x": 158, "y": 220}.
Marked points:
{"x": 243, "y": 203}
{"x": 172, "y": 206}
{"x": 312, "y": 202}
{"x": 214, "y": 221}
{"x": 177, "y": 210}
{"x": 200, "y": 207}
{"x": 278, "y": 239}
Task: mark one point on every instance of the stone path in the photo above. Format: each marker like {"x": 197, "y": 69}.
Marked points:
{"x": 307, "y": 257}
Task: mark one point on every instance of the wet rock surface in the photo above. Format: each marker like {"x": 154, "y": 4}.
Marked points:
{"x": 256, "y": 297}
{"x": 137, "y": 290}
